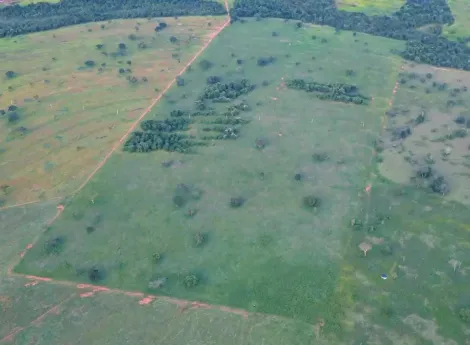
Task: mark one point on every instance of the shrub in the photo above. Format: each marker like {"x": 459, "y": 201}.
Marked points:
{"x": 122, "y": 46}
{"x": 179, "y": 81}
{"x": 10, "y": 74}
{"x": 264, "y": 61}
{"x": 236, "y": 202}
{"x": 311, "y": 201}
{"x": 13, "y": 116}
{"x": 213, "y": 79}
{"x": 173, "y": 39}
{"x": 205, "y": 64}
{"x": 190, "y": 281}
{"x": 95, "y": 274}
{"x": 161, "y": 26}
{"x": 54, "y": 245}
{"x": 89, "y": 63}
{"x": 12, "y": 107}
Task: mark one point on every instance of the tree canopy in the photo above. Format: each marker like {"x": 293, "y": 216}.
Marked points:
{"x": 422, "y": 46}
{"x": 17, "y": 20}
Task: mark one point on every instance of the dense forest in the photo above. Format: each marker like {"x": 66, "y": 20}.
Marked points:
{"x": 17, "y": 20}
{"x": 425, "y": 47}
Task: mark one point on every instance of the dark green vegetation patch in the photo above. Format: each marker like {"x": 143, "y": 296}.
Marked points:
{"x": 335, "y": 92}
{"x": 17, "y": 20}
{"x": 426, "y": 46}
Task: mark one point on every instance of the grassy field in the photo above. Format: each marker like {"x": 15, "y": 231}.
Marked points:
{"x": 322, "y": 268}
{"x": 370, "y": 7}
{"x": 461, "y": 12}
{"x": 70, "y": 115}
{"x": 34, "y": 312}
{"x": 439, "y": 139}
{"x": 271, "y": 255}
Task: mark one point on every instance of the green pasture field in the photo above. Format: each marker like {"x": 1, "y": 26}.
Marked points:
{"x": 371, "y": 7}
{"x": 271, "y": 255}
{"x": 54, "y": 314}
{"x": 461, "y": 12}
{"x": 71, "y": 115}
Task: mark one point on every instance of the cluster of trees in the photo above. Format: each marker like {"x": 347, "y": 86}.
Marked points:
{"x": 11, "y": 113}
{"x": 167, "y": 125}
{"x": 17, "y": 20}
{"x": 153, "y": 141}
{"x": 337, "y": 91}
{"x": 422, "y": 46}
{"x": 226, "y": 92}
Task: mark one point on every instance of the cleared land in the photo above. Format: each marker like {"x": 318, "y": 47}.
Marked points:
{"x": 461, "y": 12}
{"x": 371, "y": 7}
{"x": 325, "y": 265}
{"x": 428, "y": 131}
{"x": 69, "y": 113}
{"x": 275, "y": 254}
{"x": 47, "y": 313}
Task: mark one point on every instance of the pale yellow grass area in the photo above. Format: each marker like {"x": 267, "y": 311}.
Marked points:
{"x": 71, "y": 115}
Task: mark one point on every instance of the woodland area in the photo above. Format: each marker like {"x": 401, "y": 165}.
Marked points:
{"x": 422, "y": 46}
{"x": 17, "y": 20}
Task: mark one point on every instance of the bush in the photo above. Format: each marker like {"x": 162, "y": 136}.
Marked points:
{"x": 311, "y": 201}
{"x": 161, "y": 26}
{"x": 205, "y": 64}
{"x": 190, "y": 281}
{"x": 236, "y": 202}
{"x": 179, "y": 81}
{"x": 95, "y": 274}
{"x": 54, "y": 245}
{"x": 264, "y": 61}
{"x": 10, "y": 74}
{"x": 89, "y": 63}
{"x": 13, "y": 116}
{"x": 173, "y": 39}
{"x": 213, "y": 80}
{"x": 464, "y": 314}
{"x": 122, "y": 46}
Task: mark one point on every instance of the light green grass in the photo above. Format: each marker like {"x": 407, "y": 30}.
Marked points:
{"x": 79, "y": 113}
{"x": 271, "y": 255}
{"x": 28, "y": 2}
{"x": 371, "y": 7}
{"x": 112, "y": 318}
{"x": 461, "y": 12}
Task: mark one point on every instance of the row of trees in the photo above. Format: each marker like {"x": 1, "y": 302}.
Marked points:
{"x": 226, "y": 92}
{"x": 422, "y": 46}
{"x": 337, "y": 91}
{"x": 17, "y": 20}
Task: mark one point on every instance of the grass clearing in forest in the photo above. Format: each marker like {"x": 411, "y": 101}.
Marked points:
{"x": 461, "y": 27}
{"x": 371, "y": 7}
{"x": 233, "y": 223}
{"x": 74, "y": 92}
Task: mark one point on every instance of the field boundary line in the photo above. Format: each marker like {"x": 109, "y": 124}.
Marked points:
{"x": 9, "y": 337}
{"x": 150, "y": 107}
{"x": 184, "y": 305}
{"x": 147, "y": 110}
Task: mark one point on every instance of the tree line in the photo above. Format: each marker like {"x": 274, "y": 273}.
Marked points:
{"x": 336, "y": 92}
{"x": 424, "y": 47}
{"x": 17, "y": 20}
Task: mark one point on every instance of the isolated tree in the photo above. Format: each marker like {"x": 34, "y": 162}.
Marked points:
{"x": 122, "y": 46}
{"x": 13, "y": 116}
{"x": 99, "y": 46}
{"x": 10, "y": 74}
{"x": 89, "y": 63}
{"x": 173, "y": 39}
{"x": 179, "y": 81}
